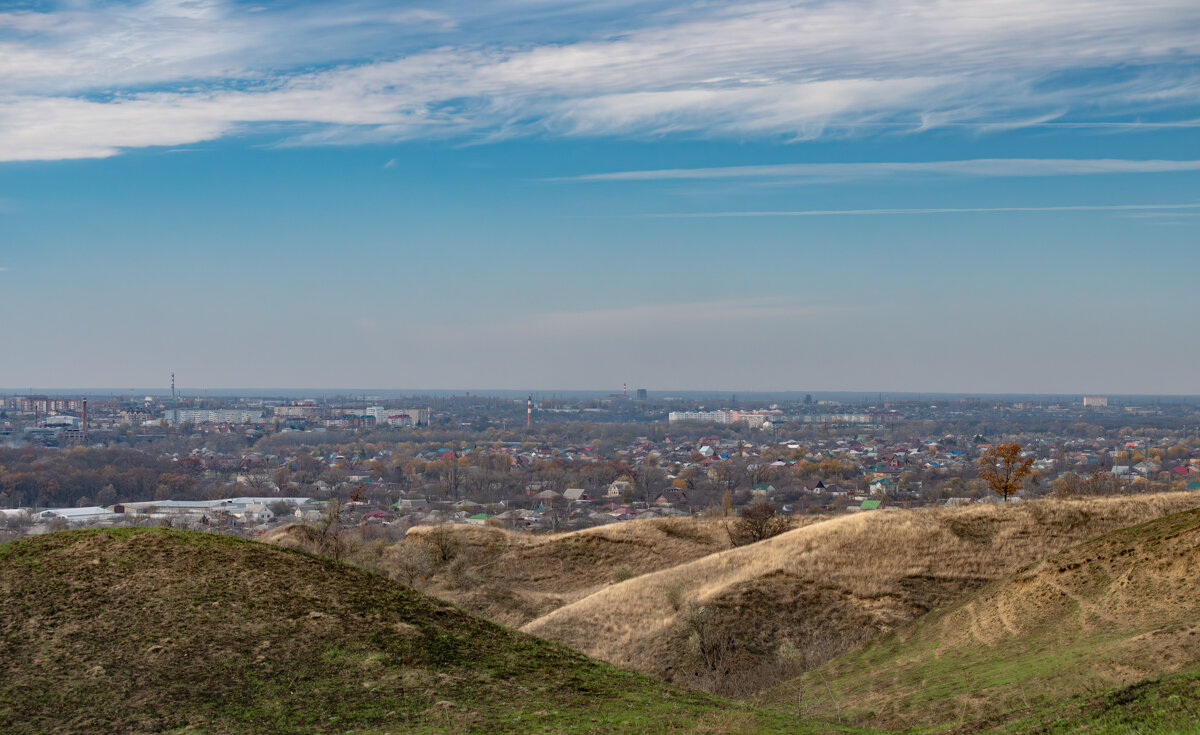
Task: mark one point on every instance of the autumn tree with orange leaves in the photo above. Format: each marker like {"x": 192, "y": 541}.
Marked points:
{"x": 1003, "y": 469}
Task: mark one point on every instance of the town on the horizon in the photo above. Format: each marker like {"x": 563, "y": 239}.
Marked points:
{"x": 246, "y": 465}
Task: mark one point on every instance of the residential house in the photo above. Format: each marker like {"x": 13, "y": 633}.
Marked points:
{"x": 671, "y": 498}
{"x": 618, "y": 489}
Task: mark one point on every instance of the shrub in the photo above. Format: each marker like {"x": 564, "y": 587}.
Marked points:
{"x": 410, "y": 561}
{"x": 710, "y": 645}
{"x": 622, "y": 574}
{"x": 460, "y": 574}
{"x": 756, "y": 522}
{"x": 676, "y": 594}
{"x": 445, "y": 545}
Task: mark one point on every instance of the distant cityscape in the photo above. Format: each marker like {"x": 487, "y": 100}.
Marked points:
{"x": 59, "y": 419}
{"x": 247, "y": 464}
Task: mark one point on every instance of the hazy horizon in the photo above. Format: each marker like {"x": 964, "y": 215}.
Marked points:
{"x": 518, "y": 394}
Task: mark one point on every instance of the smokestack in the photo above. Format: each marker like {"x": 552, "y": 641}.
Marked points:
{"x": 85, "y": 423}
{"x": 529, "y": 413}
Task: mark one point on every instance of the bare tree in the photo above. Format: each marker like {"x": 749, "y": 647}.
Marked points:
{"x": 1099, "y": 482}
{"x": 411, "y": 561}
{"x": 445, "y": 545}
{"x": 756, "y": 522}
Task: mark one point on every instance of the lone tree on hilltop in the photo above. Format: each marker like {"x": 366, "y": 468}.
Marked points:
{"x": 756, "y": 522}
{"x": 1003, "y": 469}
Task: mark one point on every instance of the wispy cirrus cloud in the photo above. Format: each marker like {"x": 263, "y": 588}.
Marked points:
{"x": 91, "y": 79}
{"x": 985, "y": 167}
{"x": 1159, "y": 209}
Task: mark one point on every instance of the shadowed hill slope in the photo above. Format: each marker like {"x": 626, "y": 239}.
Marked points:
{"x": 140, "y": 630}
{"x": 743, "y": 619}
{"x": 1112, "y": 613}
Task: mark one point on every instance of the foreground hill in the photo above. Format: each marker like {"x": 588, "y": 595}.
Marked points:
{"x": 1116, "y": 613}
{"x": 743, "y": 619}
{"x": 139, "y": 630}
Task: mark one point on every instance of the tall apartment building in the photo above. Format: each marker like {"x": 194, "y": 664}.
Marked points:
{"x": 43, "y": 404}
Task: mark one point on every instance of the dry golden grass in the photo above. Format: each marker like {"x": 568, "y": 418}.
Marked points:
{"x": 818, "y": 590}
{"x": 514, "y": 578}
{"x": 1112, "y": 612}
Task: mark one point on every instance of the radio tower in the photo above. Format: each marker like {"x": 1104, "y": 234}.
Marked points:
{"x": 529, "y": 413}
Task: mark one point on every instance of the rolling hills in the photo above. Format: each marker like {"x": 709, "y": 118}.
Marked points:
{"x": 514, "y": 578}
{"x": 1044, "y": 616}
{"x": 1106, "y": 633}
{"x": 740, "y": 620}
{"x": 140, "y": 630}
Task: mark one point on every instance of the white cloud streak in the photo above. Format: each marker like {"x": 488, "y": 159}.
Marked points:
{"x": 1162, "y": 208}
{"x": 986, "y": 167}
{"x": 97, "y": 78}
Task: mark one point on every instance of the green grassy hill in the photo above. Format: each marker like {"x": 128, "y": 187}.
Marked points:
{"x": 1104, "y": 636}
{"x": 137, "y": 630}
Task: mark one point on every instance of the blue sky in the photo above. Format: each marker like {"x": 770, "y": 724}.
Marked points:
{"x": 896, "y": 195}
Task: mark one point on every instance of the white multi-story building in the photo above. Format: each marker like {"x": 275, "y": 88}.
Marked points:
{"x": 704, "y": 417}
{"x": 756, "y": 419}
{"x": 398, "y": 416}
{"x": 838, "y": 418}
{"x": 1097, "y": 401}
{"x": 212, "y": 416}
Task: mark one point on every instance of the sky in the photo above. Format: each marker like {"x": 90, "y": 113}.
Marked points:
{"x": 828, "y": 195}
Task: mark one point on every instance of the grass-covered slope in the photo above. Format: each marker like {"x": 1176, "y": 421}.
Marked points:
{"x": 1166, "y": 706}
{"x": 137, "y": 630}
{"x": 1079, "y": 638}
{"x": 812, "y": 592}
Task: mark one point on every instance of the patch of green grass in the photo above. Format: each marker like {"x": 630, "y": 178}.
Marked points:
{"x": 1168, "y": 705}
{"x": 150, "y": 630}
